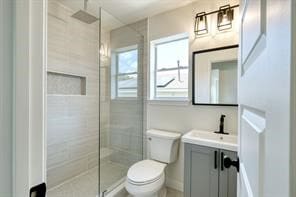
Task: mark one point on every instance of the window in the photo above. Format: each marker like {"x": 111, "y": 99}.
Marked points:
{"x": 126, "y": 79}
{"x": 170, "y": 59}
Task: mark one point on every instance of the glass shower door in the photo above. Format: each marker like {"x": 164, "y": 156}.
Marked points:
{"x": 121, "y": 100}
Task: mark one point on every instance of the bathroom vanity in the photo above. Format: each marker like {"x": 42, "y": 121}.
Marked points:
{"x": 208, "y": 172}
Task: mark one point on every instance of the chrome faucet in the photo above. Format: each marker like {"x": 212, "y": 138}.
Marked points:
{"x": 221, "y": 126}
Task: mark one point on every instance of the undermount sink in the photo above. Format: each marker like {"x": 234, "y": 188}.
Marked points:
{"x": 211, "y": 139}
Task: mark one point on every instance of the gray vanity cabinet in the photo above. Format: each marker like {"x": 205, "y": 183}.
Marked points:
{"x": 201, "y": 172}
{"x": 204, "y": 174}
{"x": 227, "y": 177}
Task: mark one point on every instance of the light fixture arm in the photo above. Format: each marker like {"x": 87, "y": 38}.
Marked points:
{"x": 217, "y": 11}
{"x": 85, "y": 4}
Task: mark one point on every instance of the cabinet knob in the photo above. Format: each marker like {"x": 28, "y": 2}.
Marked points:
{"x": 227, "y": 163}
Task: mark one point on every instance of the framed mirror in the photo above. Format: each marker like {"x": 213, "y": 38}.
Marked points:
{"x": 214, "y": 76}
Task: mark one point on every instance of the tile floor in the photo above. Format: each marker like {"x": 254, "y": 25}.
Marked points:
{"x": 83, "y": 185}
{"x": 170, "y": 193}
{"x": 174, "y": 193}
{"x": 86, "y": 185}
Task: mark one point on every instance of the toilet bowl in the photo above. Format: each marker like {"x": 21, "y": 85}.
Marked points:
{"x": 147, "y": 178}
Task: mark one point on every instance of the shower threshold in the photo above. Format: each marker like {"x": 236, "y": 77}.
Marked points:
{"x": 117, "y": 189}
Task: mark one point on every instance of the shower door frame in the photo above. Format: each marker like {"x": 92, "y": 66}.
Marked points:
{"x": 29, "y": 135}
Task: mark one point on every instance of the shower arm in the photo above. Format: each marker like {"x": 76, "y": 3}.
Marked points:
{"x": 85, "y": 4}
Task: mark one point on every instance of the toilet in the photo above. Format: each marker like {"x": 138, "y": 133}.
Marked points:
{"x": 146, "y": 178}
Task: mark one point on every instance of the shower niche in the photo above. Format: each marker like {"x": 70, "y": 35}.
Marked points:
{"x": 65, "y": 84}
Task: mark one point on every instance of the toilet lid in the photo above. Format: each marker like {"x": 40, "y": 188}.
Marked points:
{"x": 145, "y": 171}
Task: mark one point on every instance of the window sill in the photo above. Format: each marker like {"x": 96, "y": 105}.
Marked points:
{"x": 124, "y": 99}
{"x": 179, "y": 102}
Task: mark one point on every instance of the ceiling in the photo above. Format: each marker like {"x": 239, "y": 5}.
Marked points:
{"x": 119, "y": 12}
{"x": 129, "y": 11}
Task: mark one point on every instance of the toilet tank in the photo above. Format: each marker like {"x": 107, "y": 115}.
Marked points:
{"x": 163, "y": 145}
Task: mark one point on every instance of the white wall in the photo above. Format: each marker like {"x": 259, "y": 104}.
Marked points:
{"x": 6, "y": 92}
{"x": 184, "y": 118}
{"x": 228, "y": 82}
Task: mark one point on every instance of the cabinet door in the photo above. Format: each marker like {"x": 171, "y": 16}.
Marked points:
{"x": 227, "y": 176}
{"x": 201, "y": 171}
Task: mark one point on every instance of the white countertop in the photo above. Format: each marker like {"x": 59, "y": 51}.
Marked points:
{"x": 211, "y": 139}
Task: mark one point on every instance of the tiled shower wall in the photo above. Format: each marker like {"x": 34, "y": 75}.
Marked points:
{"x": 105, "y": 62}
{"x": 72, "y": 120}
{"x": 126, "y": 116}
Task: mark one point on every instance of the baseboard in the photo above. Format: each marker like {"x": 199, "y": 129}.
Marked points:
{"x": 174, "y": 184}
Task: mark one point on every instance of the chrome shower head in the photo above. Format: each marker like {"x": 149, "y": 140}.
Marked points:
{"x": 84, "y": 16}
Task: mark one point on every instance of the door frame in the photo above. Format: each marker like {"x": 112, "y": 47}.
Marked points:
{"x": 6, "y": 91}
{"x": 29, "y": 137}
{"x": 293, "y": 103}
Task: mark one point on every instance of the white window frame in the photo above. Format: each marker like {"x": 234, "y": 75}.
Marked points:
{"x": 115, "y": 73}
{"x": 153, "y": 70}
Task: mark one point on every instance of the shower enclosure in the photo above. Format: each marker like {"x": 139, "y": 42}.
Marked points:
{"x": 94, "y": 98}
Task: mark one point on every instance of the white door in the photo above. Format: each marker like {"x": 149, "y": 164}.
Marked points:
{"x": 264, "y": 98}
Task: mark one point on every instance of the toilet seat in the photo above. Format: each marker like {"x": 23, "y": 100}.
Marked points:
{"x": 145, "y": 172}
{"x": 146, "y": 190}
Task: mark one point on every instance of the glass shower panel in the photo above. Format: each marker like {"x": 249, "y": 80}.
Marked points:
{"x": 121, "y": 99}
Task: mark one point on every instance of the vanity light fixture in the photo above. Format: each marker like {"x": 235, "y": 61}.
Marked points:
{"x": 225, "y": 17}
{"x": 201, "y": 24}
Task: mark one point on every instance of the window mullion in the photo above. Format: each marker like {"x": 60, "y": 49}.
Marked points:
{"x": 132, "y": 73}
{"x": 116, "y": 84}
{"x": 171, "y": 69}
{"x": 155, "y": 73}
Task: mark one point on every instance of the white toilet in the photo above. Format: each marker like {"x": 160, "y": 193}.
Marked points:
{"x": 146, "y": 178}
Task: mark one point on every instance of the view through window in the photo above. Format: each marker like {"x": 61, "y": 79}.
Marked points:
{"x": 171, "y": 72}
{"x": 127, "y": 73}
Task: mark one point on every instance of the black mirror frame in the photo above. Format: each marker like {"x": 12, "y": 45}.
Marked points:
{"x": 193, "y": 72}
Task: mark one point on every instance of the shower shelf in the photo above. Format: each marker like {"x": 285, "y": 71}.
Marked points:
{"x": 62, "y": 84}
